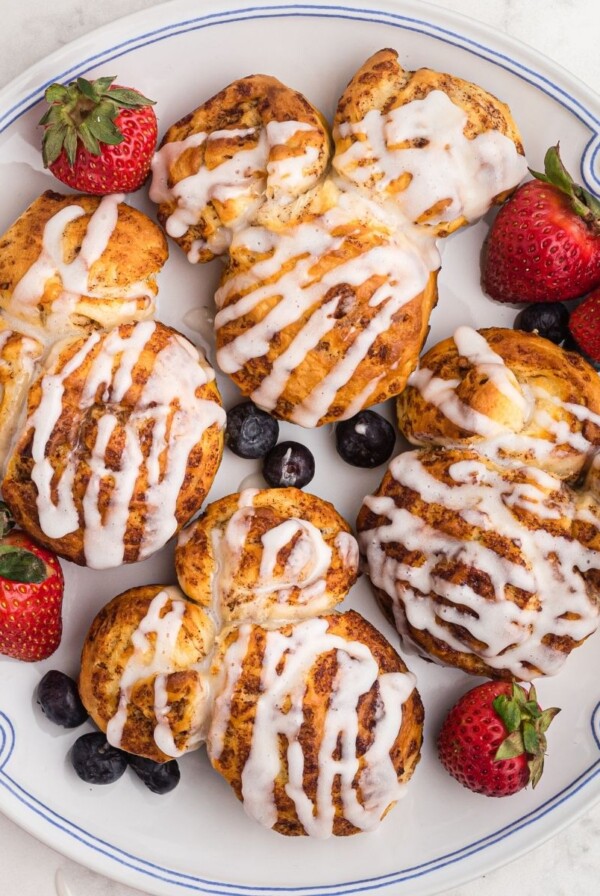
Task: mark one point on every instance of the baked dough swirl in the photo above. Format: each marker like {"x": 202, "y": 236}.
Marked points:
{"x": 511, "y": 395}
{"x": 494, "y": 569}
{"x": 70, "y": 263}
{"x": 440, "y": 149}
{"x": 123, "y": 437}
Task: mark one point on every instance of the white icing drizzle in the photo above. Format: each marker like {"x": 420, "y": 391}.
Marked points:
{"x": 486, "y": 498}
{"x": 153, "y": 658}
{"x": 301, "y": 580}
{"x": 288, "y": 659}
{"x": 405, "y": 261}
{"x": 178, "y": 418}
{"x": 500, "y": 440}
{"x": 245, "y": 177}
{"x": 74, "y": 275}
{"x": 464, "y": 174}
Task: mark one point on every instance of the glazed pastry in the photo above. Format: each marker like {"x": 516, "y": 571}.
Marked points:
{"x": 512, "y": 395}
{"x": 490, "y": 568}
{"x": 144, "y": 672}
{"x": 317, "y": 724}
{"x": 123, "y": 437}
{"x": 19, "y": 355}
{"x": 267, "y": 555}
{"x": 325, "y": 313}
{"x": 439, "y": 148}
{"x": 254, "y": 140}
{"x": 73, "y": 261}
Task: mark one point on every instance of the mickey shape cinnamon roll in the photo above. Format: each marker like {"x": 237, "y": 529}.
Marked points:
{"x": 511, "y": 395}
{"x": 122, "y": 439}
{"x": 308, "y": 713}
{"x": 491, "y": 568}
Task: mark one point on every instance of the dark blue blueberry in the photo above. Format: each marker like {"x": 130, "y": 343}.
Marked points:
{"x": 251, "y": 432}
{"x": 96, "y": 761}
{"x": 159, "y": 777}
{"x": 289, "y": 464}
{"x": 366, "y": 440}
{"x": 59, "y": 698}
{"x": 548, "y": 319}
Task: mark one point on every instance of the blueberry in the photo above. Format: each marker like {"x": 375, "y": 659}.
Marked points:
{"x": 289, "y": 464}
{"x": 251, "y": 432}
{"x": 548, "y": 319}
{"x": 96, "y": 761}
{"x": 59, "y": 698}
{"x": 365, "y": 440}
{"x": 159, "y": 777}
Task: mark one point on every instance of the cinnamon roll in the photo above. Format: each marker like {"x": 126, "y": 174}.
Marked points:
{"x": 317, "y": 725}
{"x": 143, "y": 678}
{"x": 122, "y": 440}
{"x": 255, "y": 140}
{"x": 72, "y": 262}
{"x": 438, "y": 148}
{"x": 324, "y": 313}
{"x": 493, "y": 569}
{"x": 267, "y": 555}
{"x": 511, "y": 395}
{"x": 19, "y": 355}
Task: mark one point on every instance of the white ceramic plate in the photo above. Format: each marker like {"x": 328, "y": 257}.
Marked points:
{"x": 197, "y": 839}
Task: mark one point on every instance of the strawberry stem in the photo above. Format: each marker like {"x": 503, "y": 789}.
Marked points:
{"x": 583, "y": 203}
{"x": 85, "y": 111}
{"x": 20, "y": 565}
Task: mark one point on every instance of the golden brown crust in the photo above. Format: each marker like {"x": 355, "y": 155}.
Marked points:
{"x": 19, "y": 355}
{"x": 463, "y": 545}
{"x": 382, "y": 368}
{"x": 382, "y": 84}
{"x": 245, "y": 108}
{"x": 552, "y": 383}
{"x": 107, "y": 650}
{"x": 73, "y": 443}
{"x": 134, "y": 254}
{"x": 220, "y": 556}
{"x": 320, "y": 683}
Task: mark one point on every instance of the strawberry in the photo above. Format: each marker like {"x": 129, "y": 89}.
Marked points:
{"x": 31, "y": 590}
{"x": 493, "y": 739}
{"x": 544, "y": 245}
{"x": 98, "y": 137}
{"x": 584, "y": 326}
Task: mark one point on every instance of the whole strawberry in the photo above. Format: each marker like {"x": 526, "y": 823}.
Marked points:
{"x": 31, "y": 591}
{"x": 493, "y": 739}
{"x": 98, "y": 137}
{"x": 544, "y": 245}
{"x": 584, "y": 326}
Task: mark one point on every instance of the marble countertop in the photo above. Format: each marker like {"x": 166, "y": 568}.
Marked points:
{"x": 564, "y": 30}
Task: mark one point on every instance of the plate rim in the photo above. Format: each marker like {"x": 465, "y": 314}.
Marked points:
{"x": 541, "y": 73}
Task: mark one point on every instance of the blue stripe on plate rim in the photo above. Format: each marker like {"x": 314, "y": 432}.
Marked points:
{"x": 197, "y": 884}
{"x": 7, "y": 732}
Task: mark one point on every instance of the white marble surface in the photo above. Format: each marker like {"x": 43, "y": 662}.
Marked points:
{"x": 566, "y": 31}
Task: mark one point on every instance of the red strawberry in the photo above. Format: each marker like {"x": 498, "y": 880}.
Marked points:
{"x": 98, "y": 137}
{"x": 31, "y": 590}
{"x": 544, "y": 245}
{"x": 584, "y": 325}
{"x": 493, "y": 739}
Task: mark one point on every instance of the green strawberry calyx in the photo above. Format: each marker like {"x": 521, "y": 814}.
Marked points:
{"x": 583, "y": 203}
{"x": 85, "y": 111}
{"x": 526, "y": 724}
{"x": 17, "y": 563}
